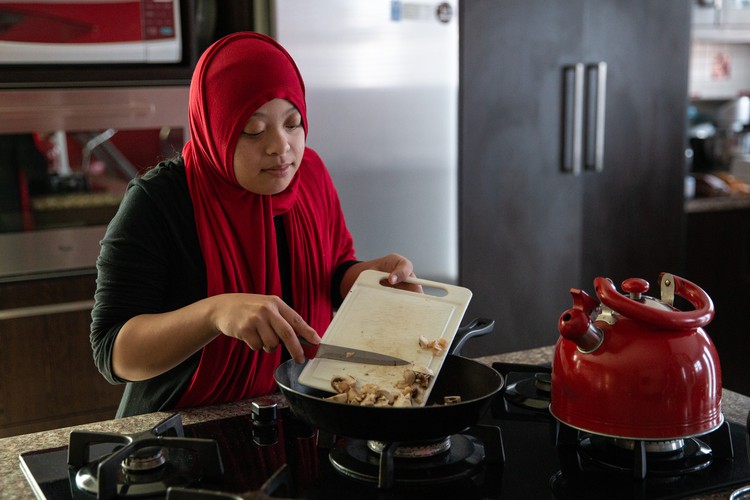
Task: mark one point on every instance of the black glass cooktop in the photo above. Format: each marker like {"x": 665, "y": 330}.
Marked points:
{"x": 289, "y": 460}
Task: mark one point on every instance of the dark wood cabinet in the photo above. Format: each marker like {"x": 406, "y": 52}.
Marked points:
{"x": 718, "y": 260}
{"x": 530, "y": 231}
{"x": 47, "y": 374}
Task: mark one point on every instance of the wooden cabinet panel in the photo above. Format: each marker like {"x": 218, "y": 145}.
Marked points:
{"x": 520, "y": 218}
{"x": 633, "y": 217}
{"x": 718, "y": 260}
{"x": 47, "y": 374}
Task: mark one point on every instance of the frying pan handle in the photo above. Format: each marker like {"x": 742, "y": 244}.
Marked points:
{"x": 476, "y": 328}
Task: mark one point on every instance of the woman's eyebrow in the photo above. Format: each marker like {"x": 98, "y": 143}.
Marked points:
{"x": 292, "y": 109}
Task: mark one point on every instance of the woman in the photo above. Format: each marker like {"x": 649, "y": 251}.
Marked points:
{"x": 216, "y": 258}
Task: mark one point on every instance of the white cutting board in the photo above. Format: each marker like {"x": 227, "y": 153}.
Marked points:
{"x": 389, "y": 321}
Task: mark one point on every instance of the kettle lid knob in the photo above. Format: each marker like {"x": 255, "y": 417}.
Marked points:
{"x": 636, "y": 287}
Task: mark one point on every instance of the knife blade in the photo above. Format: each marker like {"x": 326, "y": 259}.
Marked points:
{"x": 351, "y": 355}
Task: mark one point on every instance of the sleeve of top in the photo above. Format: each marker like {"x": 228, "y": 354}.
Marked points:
{"x": 338, "y": 276}
{"x": 143, "y": 247}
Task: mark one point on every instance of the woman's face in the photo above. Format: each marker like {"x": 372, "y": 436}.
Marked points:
{"x": 270, "y": 148}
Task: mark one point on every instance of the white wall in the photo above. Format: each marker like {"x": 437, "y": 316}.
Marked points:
{"x": 719, "y": 70}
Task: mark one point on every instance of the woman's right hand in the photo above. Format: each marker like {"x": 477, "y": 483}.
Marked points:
{"x": 262, "y": 322}
{"x": 148, "y": 345}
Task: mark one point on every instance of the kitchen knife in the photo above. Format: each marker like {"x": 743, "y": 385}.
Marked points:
{"x": 340, "y": 353}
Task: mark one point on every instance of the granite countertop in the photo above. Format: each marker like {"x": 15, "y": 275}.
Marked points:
{"x": 13, "y": 484}
{"x": 718, "y": 203}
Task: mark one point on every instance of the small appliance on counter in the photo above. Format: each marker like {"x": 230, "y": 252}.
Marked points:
{"x": 719, "y": 136}
{"x": 632, "y": 367}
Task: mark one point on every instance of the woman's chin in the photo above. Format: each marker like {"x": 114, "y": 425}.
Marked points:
{"x": 271, "y": 186}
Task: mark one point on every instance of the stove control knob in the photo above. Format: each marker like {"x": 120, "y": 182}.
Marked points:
{"x": 264, "y": 413}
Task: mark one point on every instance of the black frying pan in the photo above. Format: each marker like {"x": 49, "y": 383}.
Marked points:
{"x": 475, "y": 382}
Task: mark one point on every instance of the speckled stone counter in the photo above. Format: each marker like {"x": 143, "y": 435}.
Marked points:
{"x": 13, "y": 484}
{"x": 718, "y": 203}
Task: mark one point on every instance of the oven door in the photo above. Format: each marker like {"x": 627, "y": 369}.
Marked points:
{"x": 66, "y": 156}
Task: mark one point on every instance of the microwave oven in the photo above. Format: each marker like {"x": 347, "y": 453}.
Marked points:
{"x": 105, "y": 43}
{"x": 90, "y": 32}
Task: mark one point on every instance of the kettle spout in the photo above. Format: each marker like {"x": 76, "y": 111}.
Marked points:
{"x": 575, "y": 324}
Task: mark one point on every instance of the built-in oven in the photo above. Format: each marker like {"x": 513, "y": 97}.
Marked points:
{"x": 66, "y": 156}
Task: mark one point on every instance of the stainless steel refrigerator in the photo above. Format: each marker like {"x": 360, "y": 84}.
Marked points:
{"x": 382, "y": 96}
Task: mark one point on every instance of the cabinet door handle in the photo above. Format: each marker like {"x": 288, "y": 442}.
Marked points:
{"x": 46, "y": 309}
{"x": 572, "y": 118}
{"x": 596, "y": 101}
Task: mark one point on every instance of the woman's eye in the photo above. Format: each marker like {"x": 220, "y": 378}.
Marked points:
{"x": 252, "y": 133}
{"x": 294, "y": 125}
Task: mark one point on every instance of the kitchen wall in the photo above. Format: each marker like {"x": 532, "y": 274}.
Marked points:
{"x": 719, "y": 70}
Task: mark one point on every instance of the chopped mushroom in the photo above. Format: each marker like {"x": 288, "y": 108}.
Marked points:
{"x": 368, "y": 388}
{"x": 338, "y": 398}
{"x": 369, "y": 399}
{"x": 342, "y": 383}
{"x": 384, "y": 398}
{"x": 422, "y": 375}
{"x": 408, "y": 378}
{"x": 440, "y": 345}
{"x": 402, "y": 400}
{"x": 353, "y": 396}
{"x": 437, "y": 345}
{"x": 413, "y": 386}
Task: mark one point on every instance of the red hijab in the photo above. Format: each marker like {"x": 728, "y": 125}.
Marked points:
{"x": 233, "y": 78}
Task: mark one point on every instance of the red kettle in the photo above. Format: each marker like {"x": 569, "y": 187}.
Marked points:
{"x": 631, "y": 366}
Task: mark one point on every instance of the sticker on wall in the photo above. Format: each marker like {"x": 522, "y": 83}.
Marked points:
{"x": 417, "y": 11}
{"x": 721, "y": 66}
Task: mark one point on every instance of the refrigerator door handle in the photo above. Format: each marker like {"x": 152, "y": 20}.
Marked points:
{"x": 596, "y": 99}
{"x": 573, "y": 86}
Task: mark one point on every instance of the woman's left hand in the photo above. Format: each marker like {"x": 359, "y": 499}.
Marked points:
{"x": 398, "y": 267}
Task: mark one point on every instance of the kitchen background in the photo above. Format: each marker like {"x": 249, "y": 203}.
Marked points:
{"x": 485, "y": 200}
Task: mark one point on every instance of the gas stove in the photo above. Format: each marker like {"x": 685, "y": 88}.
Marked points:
{"x": 517, "y": 450}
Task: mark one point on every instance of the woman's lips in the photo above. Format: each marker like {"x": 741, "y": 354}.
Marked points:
{"x": 280, "y": 171}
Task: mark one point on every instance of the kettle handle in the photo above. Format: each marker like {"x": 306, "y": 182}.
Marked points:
{"x": 668, "y": 320}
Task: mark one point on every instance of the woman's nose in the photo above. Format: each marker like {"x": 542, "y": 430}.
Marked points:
{"x": 278, "y": 142}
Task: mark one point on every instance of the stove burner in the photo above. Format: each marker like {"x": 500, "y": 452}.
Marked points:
{"x": 413, "y": 450}
{"x": 355, "y": 459}
{"x": 528, "y": 391}
{"x": 591, "y": 462}
{"x": 134, "y": 484}
{"x": 609, "y": 454}
{"x": 279, "y": 483}
{"x": 145, "y": 459}
{"x": 533, "y": 393}
{"x": 140, "y": 464}
{"x": 543, "y": 382}
{"x": 645, "y": 469}
{"x": 651, "y": 446}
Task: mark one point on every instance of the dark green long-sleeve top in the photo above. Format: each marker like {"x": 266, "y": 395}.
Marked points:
{"x": 151, "y": 262}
